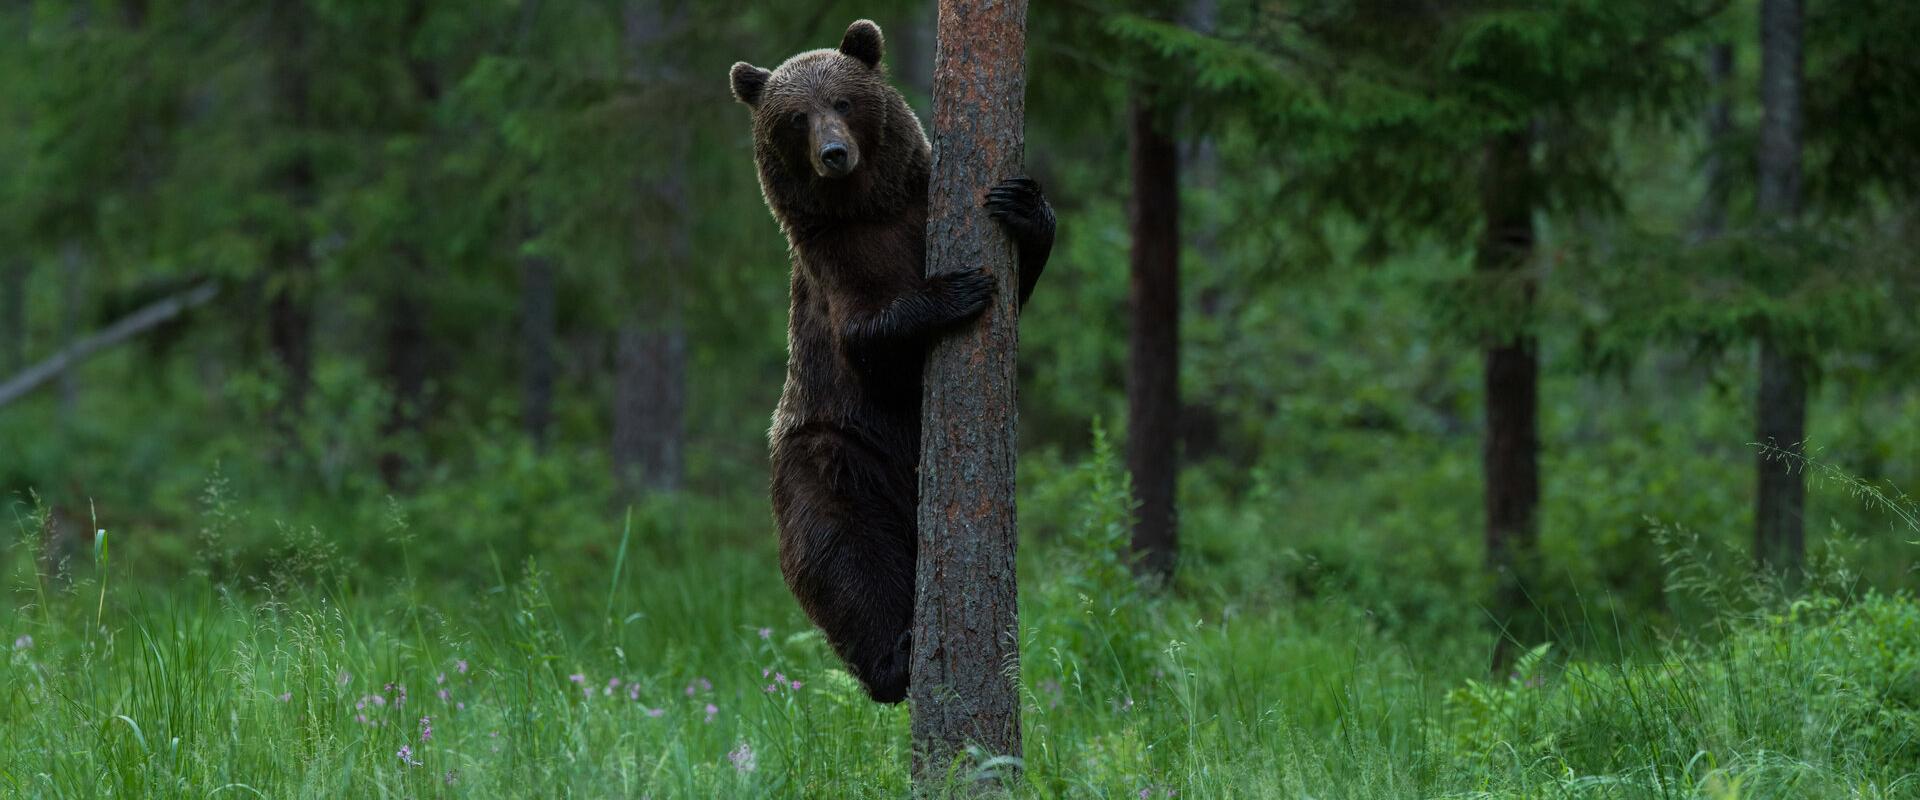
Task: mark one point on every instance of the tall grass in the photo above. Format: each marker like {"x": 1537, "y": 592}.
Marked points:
{"x": 680, "y": 671}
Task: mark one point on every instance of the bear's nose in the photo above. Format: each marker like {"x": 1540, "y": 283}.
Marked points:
{"x": 834, "y": 156}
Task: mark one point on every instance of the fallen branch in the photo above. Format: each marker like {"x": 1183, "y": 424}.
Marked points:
{"x": 125, "y": 328}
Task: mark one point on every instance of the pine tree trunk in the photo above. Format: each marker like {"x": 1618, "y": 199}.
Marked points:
{"x": 965, "y": 674}
{"x": 405, "y": 369}
{"x": 649, "y": 407}
{"x": 1153, "y": 341}
{"x": 1779, "y": 535}
{"x": 290, "y": 281}
{"x": 537, "y": 334}
{"x": 1719, "y": 130}
{"x": 1510, "y": 463}
{"x": 650, "y": 382}
{"x": 405, "y": 307}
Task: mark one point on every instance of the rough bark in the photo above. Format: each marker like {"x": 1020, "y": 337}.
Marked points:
{"x": 966, "y": 627}
{"x": 650, "y": 391}
{"x": 537, "y": 334}
{"x": 1780, "y": 499}
{"x": 1510, "y": 465}
{"x": 1153, "y": 339}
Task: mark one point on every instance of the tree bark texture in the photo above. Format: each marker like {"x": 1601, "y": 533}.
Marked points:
{"x": 1153, "y": 339}
{"x": 1510, "y": 465}
{"x": 965, "y": 673}
{"x": 1781, "y": 404}
{"x": 537, "y": 333}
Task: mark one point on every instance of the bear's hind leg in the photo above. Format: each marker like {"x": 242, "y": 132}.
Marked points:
{"x": 847, "y": 551}
{"x": 859, "y": 590}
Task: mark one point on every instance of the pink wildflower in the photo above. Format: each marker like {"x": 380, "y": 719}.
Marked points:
{"x": 577, "y": 678}
{"x": 286, "y": 697}
{"x": 712, "y": 711}
{"x": 742, "y": 758}
{"x": 655, "y": 712}
{"x": 24, "y": 642}
{"x": 444, "y": 695}
{"x": 795, "y": 685}
{"x": 766, "y": 633}
{"x": 460, "y": 666}
{"x": 406, "y": 756}
{"x": 426, "y": 729}
{"x": 441, "y": 678}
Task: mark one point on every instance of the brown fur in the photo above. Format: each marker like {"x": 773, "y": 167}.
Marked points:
{"x": 845, "y": 438}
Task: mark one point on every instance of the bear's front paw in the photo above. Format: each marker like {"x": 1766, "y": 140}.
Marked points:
{"x": 1020, "y": 207}
{"x": 966, "y": 293}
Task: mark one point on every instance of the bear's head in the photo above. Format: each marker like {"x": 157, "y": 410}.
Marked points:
{"x": 825, "y": 120}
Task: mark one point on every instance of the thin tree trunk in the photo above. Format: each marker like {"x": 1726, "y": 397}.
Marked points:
{"x": 13, "y": 314}
{"x": 1779, "y": 536}
{"x": 537, "y": 334}
{"x": 649, "y": 407}
{"x": 1510, "y": 463}
{"x": 1719, "y": 130}
{"x": 1153, "y": 341}
{"x": 290, "y": 282}
{"x": 650, "y": 382}
{"x": 404, "y": 309}
{"x": 965, "y": 675}
{"x": 405, "y": 367}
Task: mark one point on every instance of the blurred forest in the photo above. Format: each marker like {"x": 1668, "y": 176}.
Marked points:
{"x": 1439, "y": 330}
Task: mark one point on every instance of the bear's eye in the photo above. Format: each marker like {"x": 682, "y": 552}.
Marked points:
{"x": 842, "y": 106}
{"x": 797, "y": 119}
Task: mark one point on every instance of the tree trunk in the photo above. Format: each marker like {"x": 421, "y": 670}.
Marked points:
{"x": 1153, "y": 341}
{"x": 13, "y": 315}
{"x": 1713, "y": 205}
{"x": 290, "y": 279}
{"x": 1779, "y": 535}
{"x": 405, "y": 368}
{"x": 966, "y": 624}
{"x": 405, "y": 307}
{"x": 649, "y": 407}
{"x": 537, "y": 334}
{"x": 1510, "y": 465}
{"x": 650, "y": 351}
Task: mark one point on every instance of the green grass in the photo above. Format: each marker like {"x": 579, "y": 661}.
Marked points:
{"x": 289, "y": 684}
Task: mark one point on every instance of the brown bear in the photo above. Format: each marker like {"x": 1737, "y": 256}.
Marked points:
{"x": 843, "y": 166}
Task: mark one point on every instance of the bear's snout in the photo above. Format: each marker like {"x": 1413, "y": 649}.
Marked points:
{"x": 834, "y": 154}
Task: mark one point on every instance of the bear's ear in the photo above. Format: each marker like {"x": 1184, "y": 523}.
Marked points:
{"x": 748, "y": 80}
{"x": 863, "y": 42}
